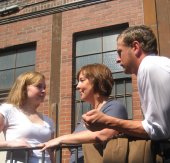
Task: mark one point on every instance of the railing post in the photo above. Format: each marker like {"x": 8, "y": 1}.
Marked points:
{"x": 43, "y": 156}
{"x": 26, "y": 156}
{"x": 58, "y": 155}
{"x": 76, "y": 155}
{"x": 11, "y": 156}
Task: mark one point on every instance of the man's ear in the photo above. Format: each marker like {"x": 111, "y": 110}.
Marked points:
{"x": 137, "y": 48}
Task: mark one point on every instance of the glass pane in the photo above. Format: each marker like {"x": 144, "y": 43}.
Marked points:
{"x": 88, "y": 44}
{"x": 25, "y": 57}
{"x": 81, "y": 108}
{"x": 81, "y": 61}
{"x": 6, "y": 78}
{"x": 113, "y": 93}
{"x": 120, "y": 87}
{"x": 129, "y": 106}
{"x": 129, "y": 86}
{"x": 78, "y": 112}
{"x": 23, "y": 69}
{"x": 109, "y": 41}
{"x": 86, "y": 107}
{"x": 127, "y": 102}
{"x": 120, "y": 75}
{"x": 7, "y": 61}
{"x": 77, "y": 95}
{"x": 109, "y": 59}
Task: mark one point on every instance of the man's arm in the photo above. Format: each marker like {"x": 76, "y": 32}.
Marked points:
{"x": 96, "y": 120}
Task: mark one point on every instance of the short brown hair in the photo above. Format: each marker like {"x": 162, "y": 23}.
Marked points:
{"x": 101, "y": 77}
{"x": 143, "y": 34}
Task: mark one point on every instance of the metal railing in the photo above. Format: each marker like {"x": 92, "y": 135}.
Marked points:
{"x": 164, "y": 147}
{"x": 11, "y": 152}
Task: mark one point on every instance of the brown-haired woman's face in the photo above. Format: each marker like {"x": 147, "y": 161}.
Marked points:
{"x": 85, "y": 88}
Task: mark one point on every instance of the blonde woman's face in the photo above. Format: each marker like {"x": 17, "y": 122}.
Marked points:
{"x": 36, "y": 93}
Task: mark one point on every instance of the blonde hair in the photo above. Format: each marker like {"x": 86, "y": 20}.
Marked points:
{"x": 18, "y": 92}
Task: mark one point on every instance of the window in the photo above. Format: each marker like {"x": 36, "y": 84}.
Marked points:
{"x": 14, "y": 61}
{"x": 100, "y": 47}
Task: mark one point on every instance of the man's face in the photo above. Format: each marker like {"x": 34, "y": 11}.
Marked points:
{"x": 125, "y": 56}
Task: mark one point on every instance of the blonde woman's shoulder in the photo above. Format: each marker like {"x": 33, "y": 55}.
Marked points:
{"x": 6, "y": 105}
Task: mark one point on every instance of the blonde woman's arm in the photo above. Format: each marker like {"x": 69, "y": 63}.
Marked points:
{"x": 81, "y": 138}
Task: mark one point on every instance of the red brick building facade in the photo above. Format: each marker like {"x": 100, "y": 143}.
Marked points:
{"x": 51, "y": 26}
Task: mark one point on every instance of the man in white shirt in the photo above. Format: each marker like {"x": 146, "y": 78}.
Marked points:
{"x": 137, "y": 54}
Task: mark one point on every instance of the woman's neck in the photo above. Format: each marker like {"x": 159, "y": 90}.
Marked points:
{"x": 29, "y": 109}
{"x": 99, "y": 103}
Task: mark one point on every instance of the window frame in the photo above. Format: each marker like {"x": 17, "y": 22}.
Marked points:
{"x": 125, "y": 77}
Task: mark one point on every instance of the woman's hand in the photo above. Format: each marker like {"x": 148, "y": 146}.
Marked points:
{"x": 49, "y": 144}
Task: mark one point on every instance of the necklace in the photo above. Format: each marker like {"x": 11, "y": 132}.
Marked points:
{"x": 97, "y": 105}
{"x": 100, "y": 104}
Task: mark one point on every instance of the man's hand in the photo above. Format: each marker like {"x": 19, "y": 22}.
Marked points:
{"x": 95, "y": 120}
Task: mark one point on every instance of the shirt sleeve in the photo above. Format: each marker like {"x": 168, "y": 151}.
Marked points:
{"x": 5, "y": 111}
